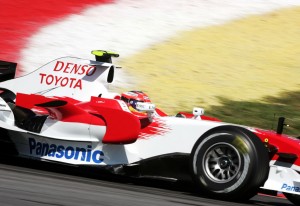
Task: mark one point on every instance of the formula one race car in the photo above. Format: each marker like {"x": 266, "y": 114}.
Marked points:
{"x": 64, "y": 113}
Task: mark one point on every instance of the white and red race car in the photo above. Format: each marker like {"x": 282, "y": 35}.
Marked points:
{"x": 63, "y": 112}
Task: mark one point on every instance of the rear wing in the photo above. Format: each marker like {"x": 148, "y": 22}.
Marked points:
{"x": 7, "y": 70}
{"x": 106, "y": 56}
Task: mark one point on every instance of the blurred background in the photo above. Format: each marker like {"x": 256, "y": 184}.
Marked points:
{"x": 237, "y": 59}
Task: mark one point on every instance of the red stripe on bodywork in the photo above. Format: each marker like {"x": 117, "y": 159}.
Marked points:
{"x": 158, "y": 127}
{"x": 72, "y": 111}
{"x": 122, "y": 127}
{"x": 280, "y": 144}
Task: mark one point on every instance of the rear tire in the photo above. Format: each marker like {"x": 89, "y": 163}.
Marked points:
{"x": 229, "y": 163}
{"x": 295, "y": 199}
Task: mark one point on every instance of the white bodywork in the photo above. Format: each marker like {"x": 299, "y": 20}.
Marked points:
{"x": 76, "y": 135}
{"x": 81, "y": 143}
{"x": 80, "y": 79}
{"x": 283, "y": 179}
{"x": 66, "y": 76}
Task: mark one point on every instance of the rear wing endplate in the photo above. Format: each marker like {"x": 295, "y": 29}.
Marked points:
{"x": 7, "y": 70}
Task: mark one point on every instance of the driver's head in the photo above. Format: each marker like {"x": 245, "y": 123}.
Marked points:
{"x": 132, "y": 97}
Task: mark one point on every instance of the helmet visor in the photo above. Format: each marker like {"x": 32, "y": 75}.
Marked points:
{"x": 133, "y": 102}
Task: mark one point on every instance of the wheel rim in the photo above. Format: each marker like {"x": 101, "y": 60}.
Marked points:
{"x": 222, "y": 162}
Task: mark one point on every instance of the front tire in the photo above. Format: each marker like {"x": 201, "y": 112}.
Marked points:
{"x": 229, "y": 163}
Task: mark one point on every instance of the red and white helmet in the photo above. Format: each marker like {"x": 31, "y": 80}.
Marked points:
{"x": 132, "y": 97}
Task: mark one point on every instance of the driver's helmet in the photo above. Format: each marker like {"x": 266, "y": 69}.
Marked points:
{"x": 132, "y": 97}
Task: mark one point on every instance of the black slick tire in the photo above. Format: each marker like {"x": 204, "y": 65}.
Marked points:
{"x": 229, "y": 163}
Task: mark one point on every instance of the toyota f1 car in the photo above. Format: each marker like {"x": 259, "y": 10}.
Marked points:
{"x": 63, "y": 112}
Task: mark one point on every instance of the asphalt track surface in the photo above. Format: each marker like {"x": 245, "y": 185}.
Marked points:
{"x": 43, "y": 184}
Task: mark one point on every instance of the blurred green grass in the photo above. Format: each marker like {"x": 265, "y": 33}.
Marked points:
{"x": 263, "y": 114}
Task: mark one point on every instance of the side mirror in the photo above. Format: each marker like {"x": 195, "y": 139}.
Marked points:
{"x": 197, "y": 112}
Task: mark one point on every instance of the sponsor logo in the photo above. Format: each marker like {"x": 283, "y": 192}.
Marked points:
{"x": 68, "y": 68}
{"x": 69, "y": 152}
{"x": 287, "y": 187}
